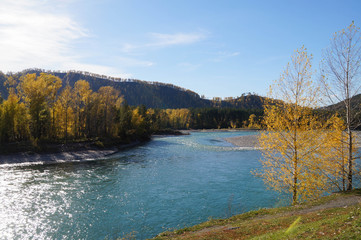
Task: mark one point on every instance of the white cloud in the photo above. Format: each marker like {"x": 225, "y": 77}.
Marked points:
{"x": 189, "y": 67}
{"x": 132, "y": 62}
{"x": 37, "y": 33}
{"x": 98, "y": 69}
{"x": 221, "y": 56}
{"x": 29, "y": 34}
{"x": 160, "y": 40}
{"x": 163, "y": 40}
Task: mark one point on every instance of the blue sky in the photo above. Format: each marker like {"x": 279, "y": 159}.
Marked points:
{"x": 215, "y": 48}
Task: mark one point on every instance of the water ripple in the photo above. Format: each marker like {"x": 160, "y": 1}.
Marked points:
{"x": 168, "y": 183}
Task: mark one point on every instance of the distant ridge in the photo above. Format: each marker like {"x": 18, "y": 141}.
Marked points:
{"x": 137, "y": 92}
{"x": 340, "y": 106}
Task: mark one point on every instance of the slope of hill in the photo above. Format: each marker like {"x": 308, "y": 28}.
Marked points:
{"x": 355, "y": 104}
{"x": 151, "y": 94}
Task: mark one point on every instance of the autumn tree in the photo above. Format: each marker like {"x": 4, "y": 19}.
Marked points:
{"x": 253, "y": 122}
{"x": 65, "y": 110}
{"x": 38, "y": 92}
{"x": 335, "y": 166}
{"x": 53, "y": 84}
{"x": 140, "y": 122}
{"x": 81, "y": 94}
{"x": 10, "y": 84}
{"x": 124, "y": 121}
{"x": 96, "y": 116}
{"x": 108, "y": 98}
{"x": 178, "y": 118}
{"x": 15, "y": 119}
{"x": 341, "y": 80}
{"x": 36, "y": 110}
{"x": 291, "y": 145}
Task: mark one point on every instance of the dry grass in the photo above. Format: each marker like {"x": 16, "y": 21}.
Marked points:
{"x": 334, "y": 217}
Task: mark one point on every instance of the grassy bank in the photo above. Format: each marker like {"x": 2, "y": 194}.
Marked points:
{"x": 337, "y": 216}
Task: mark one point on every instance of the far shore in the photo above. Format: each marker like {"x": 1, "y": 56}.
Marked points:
{"x": 251, "y": 141}
{"x": 220, "y": 130}
{"x": 246, "y": 141}
{"x": 80, "y": 154}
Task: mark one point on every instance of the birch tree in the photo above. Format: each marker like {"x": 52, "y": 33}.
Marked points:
{"x": 291, "y": 146}
{"x": 335, "y": 166}
{"x": 341, "y": 80}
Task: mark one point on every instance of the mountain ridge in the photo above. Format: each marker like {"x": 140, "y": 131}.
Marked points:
{"x": 138, "y": 92}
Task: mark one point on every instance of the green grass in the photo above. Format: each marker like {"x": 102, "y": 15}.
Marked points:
{"x": 296, "y": 222}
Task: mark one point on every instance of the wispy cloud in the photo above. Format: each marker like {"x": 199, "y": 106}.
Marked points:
{"x": 30, "y": 35}
{"x": 132, "y": 62}
{"x": 160, "y": 40}
{"x": 99, "y": 69}
{"x": 221, "y": 56}
{"x": 36, "y": 34}
{"x": 189, "y": 67}
{"x": 163, "y": 40}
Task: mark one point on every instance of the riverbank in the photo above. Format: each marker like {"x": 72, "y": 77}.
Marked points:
{"x": 246, "y": 141}
{"x": 251, "y": 141}
{"x": 221, "y": 130}
{"x": 50, "y": 153}
{"x": 337, "y": 216}
{"x": 60, "y": 153}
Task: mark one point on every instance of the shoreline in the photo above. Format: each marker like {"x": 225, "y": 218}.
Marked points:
{"x": 251, "y": 141}
{"x": 221, "y": 130}
{"x": 245, "y": 141}
{"x": 67, "y": 156}
{"x": 86, "y": 153}
{"x": 74, "y": 153}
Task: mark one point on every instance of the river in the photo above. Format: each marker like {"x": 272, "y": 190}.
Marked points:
{"x": 170, "y": 182}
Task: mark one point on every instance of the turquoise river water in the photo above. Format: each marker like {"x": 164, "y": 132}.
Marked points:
{"x": 170, "y": 182}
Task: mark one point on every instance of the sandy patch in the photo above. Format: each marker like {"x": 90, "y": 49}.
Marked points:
{"x": 247, "y": 141}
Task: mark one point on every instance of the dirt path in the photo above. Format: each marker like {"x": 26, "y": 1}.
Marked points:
{"x": 341, "y": 201}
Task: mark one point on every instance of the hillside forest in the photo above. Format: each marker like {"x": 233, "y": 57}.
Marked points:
{"x": 43, "y": 108}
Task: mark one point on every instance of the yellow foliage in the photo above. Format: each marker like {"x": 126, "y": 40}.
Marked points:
{"x": 81, "y": 94}
{"x": 252, "y": 122}
{"x": 64, "y": 111}
{"x": 293, "y": 145}
{"x": 336, "y": 168}
{"x": 39, "y": 94}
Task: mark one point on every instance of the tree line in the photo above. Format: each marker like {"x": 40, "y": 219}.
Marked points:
{"x": 40, "y": 108}
{"x": 36, "y": 110}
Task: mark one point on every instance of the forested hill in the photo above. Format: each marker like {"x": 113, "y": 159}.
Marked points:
{"x": 340, "y": 106}
{"x": 151, "y": 94}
